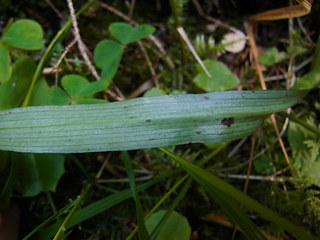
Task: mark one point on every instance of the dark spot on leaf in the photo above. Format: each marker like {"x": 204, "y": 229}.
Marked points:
{"x": 131, "y": 117}
{"x": 148, "y": 120}
{"x": 227, "y": 121}
{"x": 9, "y": 112}
{"x": 220, "y": 134}
{"x": 198, "y": 132}
{"x": 206, "y": 98}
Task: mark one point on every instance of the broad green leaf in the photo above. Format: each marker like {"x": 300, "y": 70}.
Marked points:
{"x": 5, "y": 67}
{"x": 107, "y": 56}
{"x": 38, "y": 172}
{"x": 26, "y": 34}
{"x": 13, "y": 92}
{"x": 221, "y": 77}
{"x": 175, "y": 228}
{"x": 309, "y": 81}
{"x": 126, "y": 34}
{"x": 56, "y": 96}
{"x": 145, "y": 122}
{"x": 204, "y": 176}
{"x": 77, "y": 86}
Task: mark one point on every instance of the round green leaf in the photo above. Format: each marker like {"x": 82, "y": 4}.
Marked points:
{"x": 38, "y": 172}
{"x": 25, "y": 34}
{"x": 176, "y": 226}
{"x": 56, "y": 96}
{"x": 5, "y": 67}
{"x": 107, "y": 56}
{"x": 13, "y": 91}
{"x": 125, "y": 33}
{"x": 78, "y": 86}
{"x": 221, "y": 79}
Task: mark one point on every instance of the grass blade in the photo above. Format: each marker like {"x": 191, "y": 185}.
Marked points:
{"x": 140, "y": 123}
{"x": 142, "y": 231}
{"x": 242, "y": 198}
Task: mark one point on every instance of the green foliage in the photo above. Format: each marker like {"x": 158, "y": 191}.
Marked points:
{"x": 25, "y": 34}
{"x": 308, "y": 81}
{"x": 77, "y": 86}
{"x": 126, "y": 34}
{"x": 221, "y": 78}
{"x": 149, "y": 122}
{"x": 13, "y": 91}
{"x": 38, "y": 172}
{"x": 107, "y": 56}
{"x": 305, "y": 152}
{"x": 5, "y": 67}
{"x": 176, "y": 226}
{"x": 263, "y": 164}
{"x": 272, "y": 56}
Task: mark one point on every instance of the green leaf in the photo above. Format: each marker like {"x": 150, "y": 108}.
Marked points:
{"x": 272, "y": 56}
{"x": 263, "y": 163}
{"x": 40, "y": 93}
{"x": 142, "y": 231}
{"x": 26, "y": 34}
{"x": 38, "y": 172}
{"x": 5, "y": 67}
{"x": 154, "y": 92}
{"x": 13, "y": 92}
{"x": 221, "y": 77}
{"x": 140, "y": 123}
{"x": 56, "y": 96}
{"x": 176, "y": 226}
{"x": 107, "y": 56}
{"x": 126, "y": 34}
{"x": 309, "y": 81}
{"x": 77, "y": 86}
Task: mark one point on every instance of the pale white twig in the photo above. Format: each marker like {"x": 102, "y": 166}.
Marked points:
{"x": 187, "y": 41}
{"x": 81, "y": 45}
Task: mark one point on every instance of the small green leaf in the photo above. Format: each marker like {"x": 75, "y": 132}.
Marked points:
{"x": 38, "y": 172}
{"x": 309, "y": 81}
{"x": 40, "y": 93}
{"x": 78, "y": 86}
{"x": 26, "y": 34}
{"x": 268, "y": 58}
{"x": 263, "y": 164}
{"x": 221, "y": 77}
{"x": 154, "y": 92}
{"x": 175, "y": 228}
{"x": 126, "y": 34}
{"x": 13, "y": 92}
{"x": 56, "y": 96}
{"x": 5, "y": 67}
{"x": 107, "y": 56}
